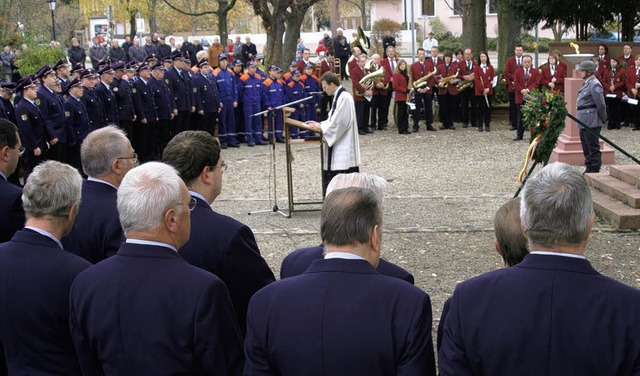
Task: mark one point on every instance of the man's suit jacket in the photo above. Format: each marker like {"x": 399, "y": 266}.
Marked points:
{"x": 522, "y": 82}
{"x": 548, "y": 315}
{"x": 11, "y": 212}
{"x": 146, "y": 311}
{"x": 34, "y": 305}
{"x": 299, "y": 260}
{"x": 96, "y": 233}
{"x": 341, "y": 317}
{"x": 228, "y": 249}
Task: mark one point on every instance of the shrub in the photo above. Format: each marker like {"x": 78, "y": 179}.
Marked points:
{"x": 377, "y": 33}
{"x": 34, "y": 58}
{"x": 500, "y": 94}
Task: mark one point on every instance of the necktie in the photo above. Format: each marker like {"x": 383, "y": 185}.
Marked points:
{"x": 553, "y": 71}
{"x": 393, "y": 65}
{"x": 518, "y": 62}
{"x": 469, "y": 66}
{"x": 484, "y": 69}
{"x": 526, "y": 74}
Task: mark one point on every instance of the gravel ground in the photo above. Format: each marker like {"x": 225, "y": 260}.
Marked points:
{"x": 444, "y": 188}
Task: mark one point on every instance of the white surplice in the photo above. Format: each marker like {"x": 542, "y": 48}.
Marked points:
{"x": 340, "y": 131}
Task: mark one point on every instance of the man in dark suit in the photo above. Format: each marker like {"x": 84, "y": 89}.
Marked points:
{"x": 146, "y": 114}
{"x": 207, "y": 100}
{"x": 107, "y": 96}
{"x": 77, "y": 121}
{"x": 219, "y": 244}
{"x": 321, "y": 322}
{"x": 553, "y": 313}
{"x": 178, "y": 80}
{"x": 37, "y": 275}
{"x": 11, "y": 213}
{"x": 51, "y": 105}
{"x": 106, "y": 156}
{"x": 147, "y": 311}
{"x": 299, "y": 260}
{"x": 30, "y": 125}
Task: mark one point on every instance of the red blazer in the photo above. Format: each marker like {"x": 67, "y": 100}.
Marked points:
{"x": 352, "y": 65}
{"x": 604, "y": 64}
{"x": 510, "y": 74}
{"x": 385, "y": 80}
{"x": 388, "y": 71}
{"x": 439, "y": 61}
{"x": 358, "y": 90}
{"x": 324, "y": 67}
{"x": 301, "y": 65}
{"x": 617, "y": 81}
{"x": 444, "y": 71}
{"x": 631, "y": 81}
{"x": 400, "y": 86}
{"x": 628, "y": 62}
{"x": 416, "y": 72}
{"x": 483, "y": 80}
{"x": 561, "y": 74}
{"x": 520, "y": 83}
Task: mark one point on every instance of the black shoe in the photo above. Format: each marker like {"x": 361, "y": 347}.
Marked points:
{"x": 405, "y": 132}
{"x": 452, "y": 127}
{"x": 280, "y": 140}
{"x": 223, "y": 145}
{"x": 480, "y": 129}
{"x": 416, "y": 129}
{"x": 251, "y": 144}
{"x": 234, "y": 145}
{"x": 465, "y": 125}
{"x": 368, "y": 130}
{"x": 362, "y": 133}
{"x": 381, "y": 128}
{"x": 635, "y": 129}
{"x": 444, "y": 128}
{"x": 517, "y": 139}
{"x": 431, "y": 128}
{"x": 513, "y": 129}
{"x": 487, "y": 129}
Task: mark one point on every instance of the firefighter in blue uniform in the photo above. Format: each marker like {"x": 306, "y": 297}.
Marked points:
{"x": 238, "y": 112}
{"x": 51, "y": 107}
{"x": 228, "y": 92}
{"x": 166, "y": 106}
{"x": 311, "y": 86}
{"x": 121, "y": 89}
{"x": 30, "y": 125}
{"x": 273, "y": 91}
{"x": 107, "y": 96}
{"x": 146, "y": 115}
{"x": 90, "y": 99}
{"x": 207, "y": 100}
{"x": 294, "y": 91}
{"x": 77, "y": 120}
{"x": 252, "y": 97}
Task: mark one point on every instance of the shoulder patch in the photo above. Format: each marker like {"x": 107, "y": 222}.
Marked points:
{"x": 115, "y": 89}
{"x": 195, "y": 89}
{"x": 24, "y": 117}
{"x": 167, "y": 80}
{"x": 67, "y": 113}
{"x": 38, "y": 101}
{"x": 134, "y": 90}
{"x": 598, "y": 89}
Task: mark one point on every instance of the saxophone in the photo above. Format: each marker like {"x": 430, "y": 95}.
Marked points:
{"x": 465, "y": 84}
{"x": 422, "y": 82}
{"x": 446, "y": 80}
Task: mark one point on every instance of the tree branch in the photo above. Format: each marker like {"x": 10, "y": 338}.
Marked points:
{"x": 189, "y": 13}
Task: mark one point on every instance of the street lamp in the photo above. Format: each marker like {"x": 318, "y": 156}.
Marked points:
{"x": 52, "y": 7}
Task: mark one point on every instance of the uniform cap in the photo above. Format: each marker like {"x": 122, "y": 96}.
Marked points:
{"x": 89, "y": 73}
{"x": 222, "y": 56}
{"x": 588, "y": 66}
{"x": 60, "y": 64}
{"x": 203, "y": 63}
{"x": 27, "y": 82}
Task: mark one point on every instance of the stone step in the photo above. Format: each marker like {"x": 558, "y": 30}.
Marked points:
{"x": 615, "y": 212}
{"x": 615, "y": 188}
{"x": 629, "y": 174}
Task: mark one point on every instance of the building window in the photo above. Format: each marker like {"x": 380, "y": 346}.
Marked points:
{"x": 428, "y": 8}
{"x": 492, "y": 7}
{"x": 457, "y": 7}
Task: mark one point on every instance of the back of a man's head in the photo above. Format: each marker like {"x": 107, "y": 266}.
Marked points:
{"x": 145, "y": 194}
{"x": 349, "y": 215}
{"x": 511, "y": 242}
{"x": 101, "y": 148}
{"x": 190, "y": 152}
{"x": 556, "y": 207}
{"x": 362, "y": 180}
{"x": 8, "y": 139}
{"x": 52, "y": 189}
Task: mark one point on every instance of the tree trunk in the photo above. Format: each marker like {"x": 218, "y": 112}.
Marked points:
{"x": 628, "y": 21}
{"x": 364, "y": 15}
{"x": 509, "y": 27}
{"x": 222, "y": 24}
{"x": 474, "y": 25}
{"x": 133, "y": 24}
{"x": 153, "y": 21}
{"x": 335, "y": 16}
{"x": 273, "y": 49}
{"x": 294, "y": 22}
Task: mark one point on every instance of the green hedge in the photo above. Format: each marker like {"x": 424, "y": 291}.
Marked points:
{"x": 34, "y": 58}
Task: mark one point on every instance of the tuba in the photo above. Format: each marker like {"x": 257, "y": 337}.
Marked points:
{"x": 422, "y": 81}
{"x": 370, "y": 79}
{"x": 465, "y": 84}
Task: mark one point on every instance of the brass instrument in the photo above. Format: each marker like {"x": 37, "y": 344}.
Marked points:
{"x": 465, "y": 84}
{"x": 361, "y": 41}
{"x": 372, "y": 78}
{"x": 445, "y": 81}
{"x": 346, "y": 66}
{"x": 422, "y": 82}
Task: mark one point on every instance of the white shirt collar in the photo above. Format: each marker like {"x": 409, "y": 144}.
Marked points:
{"x": 45, "y": 233}
{"x": 545, "y": 253}
{"x": 102, "y": 181}
{"x": 198, "y": 195}
{"x": 3, "y": 176}
{"x": 151, "y": 242}
{"x": 342, "y": 255}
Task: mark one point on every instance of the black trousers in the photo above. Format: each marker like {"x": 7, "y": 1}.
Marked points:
{"x": 127, "y": 127}
{"x": 379, "y": 111}
{"x": 591, "y": 149}
{"x": 325, "y": 106}
{"x": 519, "y": 125}
{"x": 402, "y": 116}
{"x": 614, "y": 112}
{"x": 31, "y": 161}
{"x": 447, "y": 106}
{"x": 58, "y": 152}
{"x": 467, "y": 103}
{"x": 343, "y": 67}
{"x": 144, "y": 140}
{"x": 635, "y": 116}
{"x": 483, "y": 115}
{"x": 162, "y": 137}
{"x": 387, "y": 109}
{"x": 362, "y": 114}
{"x": 206, "y": 122}
{"x": 73, "y": 156}
{"x": 513, "y": 110}
{"x": 423, "y": 101}
{"x": 238, "y": 112}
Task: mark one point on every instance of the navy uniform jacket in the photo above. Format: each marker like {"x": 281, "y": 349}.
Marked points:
{"x": 180, "y": 85}
{"x": 548, "y": 315}
{"x": 122, "y": 91}
{"x": 299, "y": 260}
{"x": 77, "y": 119}
{"x": 9, "y": 110}
{"x": 11, "y": 213}
{"x": 34, "y": 305}
{"x": 227, "y": 89}
{"x": 31, "y": 127}
{"x": 96, "y": 237}
{"x": 228, "y": 249}
{"x": 52, "y": 110}
{"x": 94, "y": 108}
{"x": 146, "y": 311}
{"x": 143, "y": 103}
{"x": 109, "y": 104}
{"x": 205, "y": 93}
{"x": 164, "y": 101}
{"x": 340, "y": 317}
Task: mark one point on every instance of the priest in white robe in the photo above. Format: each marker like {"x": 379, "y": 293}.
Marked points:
{"x": 339, "y": 132}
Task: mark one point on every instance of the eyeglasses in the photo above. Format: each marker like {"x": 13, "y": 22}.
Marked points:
{"x": 21, "y": 149}
{"x": 134, "y": 158}
{"x": 223, "y": 167}
{"x": 192, "y": 203}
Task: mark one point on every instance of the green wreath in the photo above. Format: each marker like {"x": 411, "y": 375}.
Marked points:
{"x": 544, "y": 113}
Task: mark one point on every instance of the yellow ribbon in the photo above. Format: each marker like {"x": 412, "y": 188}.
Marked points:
{"x": 530, "y": 153}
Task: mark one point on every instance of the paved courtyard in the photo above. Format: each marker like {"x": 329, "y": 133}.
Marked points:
{"x": 444, "y": 188}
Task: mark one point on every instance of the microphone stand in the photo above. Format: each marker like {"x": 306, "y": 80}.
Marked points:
{"x": 272, "y": 139}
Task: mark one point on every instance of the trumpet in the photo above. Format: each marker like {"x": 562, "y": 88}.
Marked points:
{"x": 422, "y": 82}
{"x": 370, "y": 79}
{"x": 445, "y": 81}
{"x": 465, "y": 84}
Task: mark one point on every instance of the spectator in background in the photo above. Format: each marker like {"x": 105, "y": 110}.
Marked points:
{"x": 322, "y": 49}
{"x": 136, "y": 52}
{"x": 429, "y": 42}
{"x": 237, "y": 48}
{"x": 7, "y": 56}
{"x": 229, "y": 49}
{"x": 342, "y": 52}
{"x": 197, "y": 46}
{"x": 299, "y": 48}
{"x": 149, "y": 47}
{"x": 126, "y": 45}
{"x": 328, "y": 42}
{"x": 155, "y": 40}
{"x": 117, "y": 53}
{"x": 214, "y": 50}
{"x": 389, "y": 40}
{"x": 164, "y": 49}
{"x": 249, "y": 50}
{"x": 97, "y": 53}
{"x": 76, "y": 53}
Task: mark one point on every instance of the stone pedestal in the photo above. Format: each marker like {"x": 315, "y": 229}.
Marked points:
{"x": 568, "y": 148}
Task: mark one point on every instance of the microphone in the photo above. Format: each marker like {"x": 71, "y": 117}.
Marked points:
{"x": 316, "y": 93}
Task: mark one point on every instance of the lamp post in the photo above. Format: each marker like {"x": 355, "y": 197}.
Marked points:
{"x": 52, "y": 7}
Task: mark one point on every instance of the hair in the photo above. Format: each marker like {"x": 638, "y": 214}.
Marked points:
{"x": 606, "y": 49}
{"x": 201, "y": 55}
{"x": 556, "y": 207}
{"x": 420, "y": 49}
{"x": 401, "y": 61}
{"x": 527, "y": 56}
{"x": 190, "y": 152}
{"x": 488, "y": 60}
{"x": 100, "y": 148}
{"x": 348, "y": 216}
{"x": 614, "y": 59}
{"x": 458, "y": 51}
{"x": 8, "y": 135}
{"x": 518, "y": 45}
{"x": 145, "y": 194}
{"x": 52, "y": 189}
{"x": 389, "y": 48}
{"x": 362, "y": 57}
{"x": 306, "y": 50}
{"x": 446, "y": 53}
{"x": 330, "y": 78}
{"x": 511, "y": 240}
{"x": 361, "y": 180}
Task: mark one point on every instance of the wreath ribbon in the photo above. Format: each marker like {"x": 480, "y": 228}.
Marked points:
{"x": 531, "y": 151}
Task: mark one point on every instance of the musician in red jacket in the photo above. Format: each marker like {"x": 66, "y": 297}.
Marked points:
{"x": 603, "y": 58}
{"x": 401, "y": 90}
{"x": 390, "y": 64}
{"x": 513, "y": 63}
{"x": 614, "y": 85}
{"x": 328, "y": 64}
{"x": 359, "y": 94}
{"x": 423, "y": 96}
{"x": 633, "y": 86}
{"x": 526, "y": 79}
{"x": 446, "y": 81}
{"x": 553, "y": 75}
{"x": 483, "y": 77}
